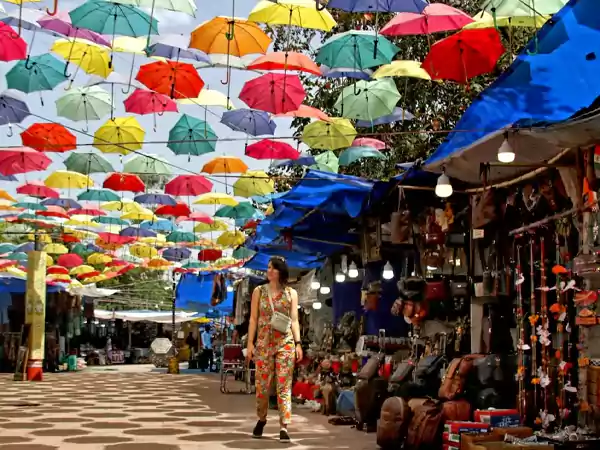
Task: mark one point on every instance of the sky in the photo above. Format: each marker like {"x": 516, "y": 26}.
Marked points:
{"x": 168, "y": 23}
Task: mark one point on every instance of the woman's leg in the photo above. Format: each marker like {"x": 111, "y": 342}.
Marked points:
{"x": 265, "y": 365}
{"x": 284, "y": 371}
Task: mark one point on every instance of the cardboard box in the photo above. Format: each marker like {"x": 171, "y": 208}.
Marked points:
{"x": 504, "y": 418}
{"x": 454, "y": 426}
{"x": 469, "y": 440}
{"x": 507, "y": 446}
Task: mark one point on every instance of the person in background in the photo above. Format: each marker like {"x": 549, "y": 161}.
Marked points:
{"x": 206, "y": 337}
{"x": 276, "y": 350}
{"x": 192, "y": 343}
{"x": 109, "y": 349}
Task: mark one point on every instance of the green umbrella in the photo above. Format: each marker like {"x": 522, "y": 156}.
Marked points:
{"x": 107, "y": 220}
{"x": 30, "y": 205}
{"x": 368, "y": 100}
{"x": 357, "y": 50}
{"x": 18, "y": 256}
{"x": 87, "y": 163}
{"x": 194, "y": 265}
{"x": 27, "y": 216}
{"x": 244, "y": 210}
{"x": 147, "y": 165}
{"x": 99, "y": 195}
{"x": 523, "y": 8}
{"x": 84, "y": 103}
{"x": 327, "y": 162}
{"x": 353, "y": 154}
{"x": 36, "y": 73}
{"x": 243, "y": 253}
{"x": 6, "y": 248}
{"x": 191, "y": 136}
{"x": 81, "y": 250}
{"x": 184, "y": 6}
{"x": 181, "y": 236}
{"x": 113, "y": 19}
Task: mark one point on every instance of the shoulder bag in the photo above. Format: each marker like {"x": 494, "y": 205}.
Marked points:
{"x": 279, "y": 321}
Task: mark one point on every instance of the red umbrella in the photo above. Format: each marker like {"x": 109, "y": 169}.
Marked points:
{"x": 210, "y": 254}
{"x": 49, "y": 137}
{"x": 116, "y": 263}
{"x": 114, "y": 238}
{"x": 268, "y": 149}
{"x": 86, "y": 212}
{"x": 464, "y": 55}
{"x": 307, "y": 112}
{"x": 172, "y": 78}
{"x": 285, "y": 61}
{"x": 149, "y": 102}
{"x": 196, "y": 216}
{"x": 22, "y": 160}
{"x": 4, "y": 263}
{"x": 93, "y": 273}
{"x": 53, "y": 211}
{"x": 70, "y": 239}
{"x": 69, "y": 260}
{"x": 180, "y": 209}
{"x": 251, "y": 224}
{"x": 37, "y": 189}
{"x": 274, "y": 92}
{"x": 126, "y": 268}
{"x": 57, "y": 270}
{"x": 12, "y": 46}
{"x": 435, "y": 17}
{"x": 188, "y": 185}
{"x": 124, "y": 182}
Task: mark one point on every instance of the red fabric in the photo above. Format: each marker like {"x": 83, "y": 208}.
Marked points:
{"x": 49, "y": 137}
{"x": 149, "y": 102}
{"x": 268, "y": 149}
{"x": 113, "y": 238}
{"x": 12, "y": 46}
{"x": 21, "y": 160}
{"x": 304, "y": 390}
{"x": 211, "y": 254}
{"x": 274, "y": 92}
{"x": 172, "y": 78}
{"x": 188, "y": 185}
{"x": 69, "y": 260}
{"x": 124, "y": 182}
{"x": 37, "y": 189}
{"x": 180, "y": 209}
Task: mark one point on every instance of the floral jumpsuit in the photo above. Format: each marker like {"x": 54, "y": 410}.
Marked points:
{"x": 274, "y": 354}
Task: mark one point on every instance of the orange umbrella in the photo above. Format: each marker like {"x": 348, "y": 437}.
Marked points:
{"x": 285, "y": 61}
{"x": 230, "y": 36}
{"x": 172, "y": 78}
{"x": 225, "y": 164}
{"x": 307, "y": 112}
{"x": 49, "y": 137}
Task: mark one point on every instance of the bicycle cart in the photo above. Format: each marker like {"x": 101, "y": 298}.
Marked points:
{"x": 234, "y": 363}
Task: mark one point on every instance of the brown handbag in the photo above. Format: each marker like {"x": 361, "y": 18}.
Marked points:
{"x": 484, "y": 209}
{"x": 458, "y": 410}
{"x": 425, "y": 427}
{"x": 369, "y": 370}
{"x": 400, "y": 222}
{"x": 456, "y": 375}
{"x": 393, "y": 423}
{"x": 436, "y": 291}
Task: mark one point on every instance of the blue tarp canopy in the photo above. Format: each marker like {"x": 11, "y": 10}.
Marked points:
{"x": 193, "y": 292}
{"x": 553, "y": 78}
{"x": 19, "y": 286}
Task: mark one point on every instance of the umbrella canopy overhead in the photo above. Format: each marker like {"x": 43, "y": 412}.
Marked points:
{"x": 230, "y": 36}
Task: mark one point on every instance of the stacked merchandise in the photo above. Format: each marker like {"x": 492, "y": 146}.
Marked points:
{"x": 454, "y": 429}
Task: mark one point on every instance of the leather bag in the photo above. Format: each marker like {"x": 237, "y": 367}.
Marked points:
{"x": 402, "y": 372}
{"x": 484, "y": 209}
{"x": 457, "y": 410}
{"x": 455, "y": 378}
{"x": 436, "y": 291}
{"x": 369, "y": 370}
{"x": 368, "y": 399}
{"x": 400, "y": 222}
{"x": 425, "y": 427}
{"x": 459, "y": 289}
{"x": 393, "y": 423}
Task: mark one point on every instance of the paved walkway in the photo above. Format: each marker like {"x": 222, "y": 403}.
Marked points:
{"x": 148, "y": 411}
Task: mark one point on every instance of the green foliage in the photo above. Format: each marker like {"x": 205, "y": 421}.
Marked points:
{"x": 437, "y": 106}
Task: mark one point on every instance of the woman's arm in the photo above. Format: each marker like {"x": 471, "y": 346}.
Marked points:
{"x": 294, "y": 315}
{"x": 253, "y": 317}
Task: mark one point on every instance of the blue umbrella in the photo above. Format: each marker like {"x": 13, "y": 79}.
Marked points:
{"x": 262, "y": 199}
{"x": 346, "y": 72}
{"x": 13, "y": 108}
{"x": 137, "y": 232}
{"x": 160, "y": 225}
{"x": 175, "y": 46}
{"x": 62, "y": 202}
{"x": 256, "y": 123}
{"x": 8, "y": 178}
{"x": 398, "y": 115}
{"x": 177, "y": 253}
{"x": 411, "y": 6}
{"x": 24, "y": 248}
{"x": 155, "y": 199}
{"x": 302, "y": 161}
{"x": 93, "y": 248}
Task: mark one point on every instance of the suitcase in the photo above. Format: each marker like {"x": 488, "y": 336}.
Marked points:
{"x": 369, "y": 397}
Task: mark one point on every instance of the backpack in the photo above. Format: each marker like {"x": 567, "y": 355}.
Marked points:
{"x": 393, "y": 423}
{"x": 455, "y": 378}
{"x": 369, "y": 397}
{"x": 425, "y": 429}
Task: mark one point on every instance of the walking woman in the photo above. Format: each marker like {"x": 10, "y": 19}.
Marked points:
{"x": 274, "y": 323}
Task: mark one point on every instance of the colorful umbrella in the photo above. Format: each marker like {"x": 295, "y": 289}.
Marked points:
{"x": 12, "y": 46}
{"x": 155, "y": 199}
{"x": 209, "y": 254}
{"x": 84, "y": 103}
{"x": 181, "y": 236}
{"x": 230, "y": 36}
{"x": 369, "y": 142}
{"x": 268, "y": 149}
{"x": 217, "y": 225}
{"x": 141, "y": 214}
{"x": 216, "y": 198}
{"x": 274, "y": 92}
{"x": 99, "y": 195}
{"x": 88, "y": 163}
{"x": 231, "y": 238}
{"x": 124, "y": 204}
{"x": 61, "y": 24}
{"x": 22, "y": 160}
{"x": 53, "y": 211}
{"x": 367, "y": 6}
{"x": 331, "y": 135}
{"x": 256, "y": 123}
{"x": 411, "y": 69}
{"x": 159, "y": 225}
{"x": 93, "y": 59}
{"x": 172, "y": 78}
{"x": 62, "y": 202}
{"x": 6, "y": 196}
{"x": 243, "y": 253}
{"x": 86, "y": 212}
{"x": 346, "y": 72}
{"x": 285, "y": 61}
{"x": 147, "y": 165}
{"x": 520, "y": 8}
{"x": 299, "y": 13}
{"x": 353, "y": 154}
{"x": 177, "y": 254}
{"x": 143, "y": 251}
{"x": 356, "y": 49}
{"x": 37, "y": 189}
{"x": 368, "y": 100}
{"x": 195, "y": 216}
{"x": 464, "y": 55}
{"x": 64, "y": 179}
{"x": 177, "y": 210}
{"x": 174, "y": 46}
{"x": 244, "y": 210}
{"x": 436, "y": 17}
{"x": 13, "y": 108}
{"x": 484, "y": 19}
{"x": 191, "y": 136}
{"x": 253, "y": 182}
{"x": 225, "y": 164}
{"x": 97, "y": 259}
{"x": 119, "y": 135}
{"x": 56, "y": 249}
{"x": 36, "y": 73}
{"x": 136, "y": 232}
{"x": 49, "y": 137}
{"x": 208, "y": 97}
{"x": 399, "y": 115}
{"x": 124, "y": 182}
{"x": 30, "y": 205}
{"x": 327, "y": 162}
{"x": 107, "y": 220}
{"x": 149, "y": 102}
{"x": 192, "y": 185}
{"x": 307, "y": 112}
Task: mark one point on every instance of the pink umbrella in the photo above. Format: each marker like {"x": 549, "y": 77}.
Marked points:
{"x": 196, "y": 216}
{"x": 268, "y": 149}
{"x": 69, "y": 260}
{"x": 53, "y": 211}
{"x": 369, "y": 142}
{"x": 22, "y": 160}
{"x": 188, "y": 185}
{"x": 12, "y": 46}
{"x": 307, "y": 112}
{"x": 274, "y": 92}
{"x": 61, "y": 24}
{"x": 37, "y": 189}
{"x": 435, "y": 17}
{"x": 149, "y": 102}
{"x": 86, "y": 212}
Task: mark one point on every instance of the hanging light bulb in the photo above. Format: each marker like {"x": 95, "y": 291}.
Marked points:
{"x": 324, "y": 290}
{"x": 230, "y": 288}
{"x": 317, "y": 305}
{"x": 443, "y": 188}
{"x": 388, "y": 271}
{"x": 340, "y": 277}
{"x": 353, "y": 271}
{"x": 315, "y": 284}
{"x": 506, "y": 154}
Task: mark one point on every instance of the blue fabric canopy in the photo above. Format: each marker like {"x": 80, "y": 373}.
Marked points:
{"x": 552, "y": 79}
{"x": 19, "y": 286}
{"x": 193, "y": 292}
{"x": 260, "y": 261}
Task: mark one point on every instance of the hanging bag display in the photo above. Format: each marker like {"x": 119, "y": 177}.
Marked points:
{"x": 400, "y": 222}
{"x": 279, "y": 321}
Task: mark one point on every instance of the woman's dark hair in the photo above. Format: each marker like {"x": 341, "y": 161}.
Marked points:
{"x": 279, "y": 264}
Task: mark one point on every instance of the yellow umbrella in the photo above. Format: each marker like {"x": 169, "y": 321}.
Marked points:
{"x": 216, "y": 198}
{"x": 300, "y": 13}
{"x": 82, "y": 223}
{"x": 217, "y": 225}
{"x": 59, "y": 277}
{"x": 143, "y": 251}
{"x": 406, "y": 68}
{"x": 124, "y": 206}
{"x": 159, "y": 239}
{"x": 80, "y": 234}
{"x": 231, "y": 238}
{"x": 80, "y": 270}
{"x": 270, "y": 210}
{"x": 253, "y": 182}
{"x": 158, "y": 264}
{"x": 139, "y": 214}
{"x": 119, "y": 135}
{"x": 98, "y": 258}
{"x": 128, "y": 44}
{"x": 225, "y": 164}
{"x": 6, "y": 205}
{"x": 6, "y": 196}
{"x": 56, "y": 249}
{"x": 484, "y": 19}
{"x": 49, "y": 261}
{"x": 75, "y": 283}
{"x": 66, "y": 179}
{"x": 201, "y": 320}
{"x": 93, "y": 59}
{"x": 42, "y": 237}
{"x": 208, "y": 97}
{"x": 230, "y": 36}
{"x": 15, "y": 272}
{"x": 96, "y": 279}
{"x": 332, "y": 135}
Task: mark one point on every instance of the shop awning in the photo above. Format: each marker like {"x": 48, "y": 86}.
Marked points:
{"x": 146, "y": 316}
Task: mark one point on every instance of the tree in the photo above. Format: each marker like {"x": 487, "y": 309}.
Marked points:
{"x": 437, "y": 106}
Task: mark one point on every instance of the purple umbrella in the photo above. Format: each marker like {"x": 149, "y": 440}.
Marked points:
{"x": 61, "y": 23}
{"x": 302, "y": 161}
{"x": 93, "y": 248}
{"x": 175, "y": 46}
{"x": 13, "y": 108}
{"x": 28, "y": 247}
{"x": 410, "y": 6}
{"x": 342, "y": 72}
{"x": 176, "y": 253}
{"x": 137, "y": 232}
{"x": 62, "y": 202}
{"x": 155, "y": 199}
{"x": 256, "y": 123}
{"x": 8, "y": 178}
